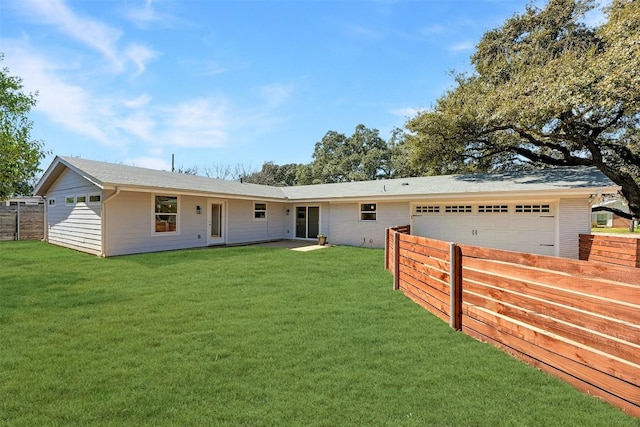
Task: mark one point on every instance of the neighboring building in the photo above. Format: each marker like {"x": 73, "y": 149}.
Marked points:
{"x": 605, "y": 219}
{"x": 108, "y": 209}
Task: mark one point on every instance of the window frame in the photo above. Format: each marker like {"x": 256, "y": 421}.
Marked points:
{"x": 155, "y": 214}
{"x": 81, "y": 196}
{"x": 260, "y": 214}
{"x": 90, "y": 195}
{"x": 363, "y": 212}
{"x": 70, "y": 200}
{"x": 51, "y": 202}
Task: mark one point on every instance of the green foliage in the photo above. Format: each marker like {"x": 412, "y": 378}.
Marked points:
{"x": 250, "y": 336}
{"x": 339, "y": 158}
{"x": 547, "y": 90}
{"x": 19, "y": 155}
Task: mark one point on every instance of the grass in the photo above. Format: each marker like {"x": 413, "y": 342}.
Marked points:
{"x": 250, "y": 336}
{"x": 618, "y": 230}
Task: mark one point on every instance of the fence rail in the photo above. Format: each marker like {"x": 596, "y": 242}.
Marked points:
{"x": 577, "y": 320}
{"x": 621, "y": 250}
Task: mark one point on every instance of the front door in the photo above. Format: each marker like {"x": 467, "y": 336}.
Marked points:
{"x": 307, "y": 222}
{"x": 216, "y": 219}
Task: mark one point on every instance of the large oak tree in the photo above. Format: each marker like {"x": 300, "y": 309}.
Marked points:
{"x": 546, "y": 90}
{"x": 19, "y": 154}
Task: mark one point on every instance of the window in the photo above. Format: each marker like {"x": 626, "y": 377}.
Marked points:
{"x": 95, "y": 198}
{"x": 367, "y": 211}
{"x": 457, "y": 209}
{"x": 533, "y": 208}
{"x": 427, "y": 209}
{"x": 602, "y": 219}
{"x": 52, "y": 202}
{"x": 81, "y": 199}
{"x": 166, "y": 214}
{"x": 70, "y": 200}
{"x": 259, "y": 211}
{"x": 493, "y": 208}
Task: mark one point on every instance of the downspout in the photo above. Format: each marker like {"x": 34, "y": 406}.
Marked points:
{"x": 103, "y": 245}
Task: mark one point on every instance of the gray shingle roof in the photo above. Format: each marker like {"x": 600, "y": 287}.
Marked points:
{"x": 110, "y": 175}
{"x": 551, "y": 180}
{"x": 542, "y": 180}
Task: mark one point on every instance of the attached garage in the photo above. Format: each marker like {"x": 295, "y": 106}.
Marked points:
{"x": 516, "y": 226}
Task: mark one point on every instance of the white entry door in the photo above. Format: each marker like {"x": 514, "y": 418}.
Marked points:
{"x": 217, "y": 222}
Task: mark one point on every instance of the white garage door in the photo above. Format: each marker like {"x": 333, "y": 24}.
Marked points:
{"x": 521, "y": 227}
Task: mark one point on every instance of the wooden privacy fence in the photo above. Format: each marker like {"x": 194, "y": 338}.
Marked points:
{"x": 615, "y": 249}
{"x": 21, "y": 222}
{"x": 577, "y": 320}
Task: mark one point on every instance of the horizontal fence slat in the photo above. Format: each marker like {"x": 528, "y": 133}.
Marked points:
{"x": 620, "y": 379}
{"x": 479, "y": 330}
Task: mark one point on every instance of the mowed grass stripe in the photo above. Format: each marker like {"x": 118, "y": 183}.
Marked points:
{"x": 249, "y": 336}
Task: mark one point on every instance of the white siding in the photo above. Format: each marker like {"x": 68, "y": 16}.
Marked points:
{"x": 242, "y": 228}
{"x": 130, "y": 222}
{"x": 79, "y": 225}
{"x": 574, "y": 219}
{"x": 345, "y": 227}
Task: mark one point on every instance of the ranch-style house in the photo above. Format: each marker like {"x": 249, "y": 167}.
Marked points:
{"x": 110, "y": 209}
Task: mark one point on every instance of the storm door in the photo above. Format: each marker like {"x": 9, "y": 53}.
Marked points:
{"x": 216, "y": 223}
{"x": 307, "y": 222}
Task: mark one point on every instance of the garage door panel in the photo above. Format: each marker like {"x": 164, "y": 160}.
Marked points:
{"x": 518, "y": 229}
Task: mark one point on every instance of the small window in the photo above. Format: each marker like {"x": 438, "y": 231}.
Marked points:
{"x": 51, "y": 202}
{"x": 367, "y": 212}
{"x": 602, "y": 219}
{"x": 95, "y": 198}
{"x": 70, "y": 200}
{"x": 457, "y": 209}
{"x": 259, "y": 211}
{"x": 81, "y": 199}
{"x": 166, "y": 214}
{"x": 427, "y": 209}
{"x": 493, "y": 208}
{"x": 533, "y": 208}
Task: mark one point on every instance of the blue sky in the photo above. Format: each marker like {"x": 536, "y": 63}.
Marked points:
{"x": 232, "y": 82}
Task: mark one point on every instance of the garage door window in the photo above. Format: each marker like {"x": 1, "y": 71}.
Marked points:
{"x": 458, "y": 209}
{"x": 493, "y": 208}
{"x": 367, "y": 212}
{"x": 427, "y": 209}
{"x": 533, "y": 209}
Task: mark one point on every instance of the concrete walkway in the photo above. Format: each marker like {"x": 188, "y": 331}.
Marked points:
{"x": 294, "y": 245}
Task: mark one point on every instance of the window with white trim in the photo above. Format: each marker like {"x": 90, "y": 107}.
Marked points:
{"x": 95, "y": 198}
{"x": 259, "y": 211}
{"x": 533, "y": 208}
{"x": 165, "y": 214}
{"x": 70, "y": 200}
{"x": 81, "y": 199}
{"x": 457, "y": 209}
{"x": 368, "y": 211}
{"x": 427, "y": 209}
{"x": 493, "y": 208}
{"x": 51, "y": 202}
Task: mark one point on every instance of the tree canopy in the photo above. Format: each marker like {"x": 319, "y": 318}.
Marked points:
{"x": 19, "y": 155}
{"x": 364, "y": 155}
{"x": 546, "y": 90}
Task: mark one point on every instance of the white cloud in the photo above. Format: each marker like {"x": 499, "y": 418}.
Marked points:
{"x": 142, "y": 15}
{"x": 462, "y": 46}
{"x": 140, "y": 55}
{"x": 406, "y": 112}
{"x": 149, "y": 162}
{"x": 84, "y": 29}
{"x": 197, "y": 123}
{"x": 275, "y": 94}
{"x": 137, "y": 102}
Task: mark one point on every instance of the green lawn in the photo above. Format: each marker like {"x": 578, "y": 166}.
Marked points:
{"x": 250, "y": 336}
